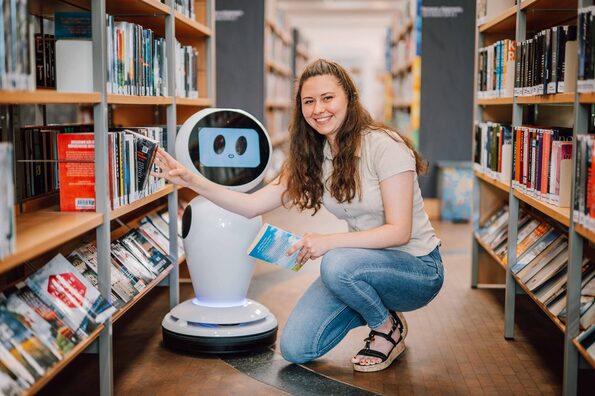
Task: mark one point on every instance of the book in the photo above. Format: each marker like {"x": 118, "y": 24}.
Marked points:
{"x": 70, "y": 295}
{"x": 145, "y": 150}
{"x": 271, "y": 244}
{"x": 7, "y": 212}
{"x": 76, "y": 156}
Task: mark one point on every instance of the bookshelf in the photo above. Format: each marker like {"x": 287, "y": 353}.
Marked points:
{"x": 403, "y": 64}
{"x": 498, "y": 20}
{"x": 41, "y": 229}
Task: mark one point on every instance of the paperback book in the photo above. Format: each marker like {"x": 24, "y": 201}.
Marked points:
{"x": 271, "y": 245}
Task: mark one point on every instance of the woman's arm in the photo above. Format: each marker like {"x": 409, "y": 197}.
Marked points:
{"x": 397, "y": 198}
{"x": 247, "y": 205}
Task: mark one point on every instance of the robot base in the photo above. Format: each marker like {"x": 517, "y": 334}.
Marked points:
{"x": 198, "y": 329}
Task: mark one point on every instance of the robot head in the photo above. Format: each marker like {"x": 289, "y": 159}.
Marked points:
{"x": 227, "y": 146}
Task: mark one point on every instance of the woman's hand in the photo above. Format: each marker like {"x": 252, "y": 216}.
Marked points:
{"x": 312, "y": 246}
{"x": 172, "y": 170}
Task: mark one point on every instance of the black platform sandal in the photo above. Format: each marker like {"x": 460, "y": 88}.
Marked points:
{"x": 397, "y": 349}
{"x": 401, "y": 323}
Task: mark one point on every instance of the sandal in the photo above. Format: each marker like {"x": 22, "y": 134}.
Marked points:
{"x": 401, "y": 322}
{"x": 397, "y": 349}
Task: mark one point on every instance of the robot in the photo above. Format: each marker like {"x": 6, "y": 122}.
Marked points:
{"x": 231, "y": 148}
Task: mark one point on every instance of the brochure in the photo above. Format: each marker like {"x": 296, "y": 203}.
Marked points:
{"x": 271, "y": 244}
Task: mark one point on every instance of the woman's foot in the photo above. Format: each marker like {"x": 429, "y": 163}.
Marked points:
{"x": 383, "y": 345}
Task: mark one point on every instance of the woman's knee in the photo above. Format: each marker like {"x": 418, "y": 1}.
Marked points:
{"x": 334, "y": 268}
{"x": 292, "y": 350}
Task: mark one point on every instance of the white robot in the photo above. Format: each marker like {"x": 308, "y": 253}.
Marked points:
{"x": 231, "y": 148}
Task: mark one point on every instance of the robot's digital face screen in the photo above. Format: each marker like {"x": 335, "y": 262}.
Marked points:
{"x": 228, "y": 148}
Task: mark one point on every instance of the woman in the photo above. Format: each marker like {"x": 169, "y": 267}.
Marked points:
{"x": 366, "y": 174}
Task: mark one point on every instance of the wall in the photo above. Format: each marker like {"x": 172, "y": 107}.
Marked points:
{"x": 447, "y": 51}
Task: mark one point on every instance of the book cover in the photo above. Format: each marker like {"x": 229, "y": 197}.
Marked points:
{"x": 90, "y": 273}
{"x": 76, "y": 156}
{"x": 71, "y": 295}
{"x": 163, "y": 227}
{"x": 145, "y": 150}
{"x": 145, "y": 251}
{"x": 127, "y": 259}
{"x": 271, "y": 244}
{"x": 8, "y": 383}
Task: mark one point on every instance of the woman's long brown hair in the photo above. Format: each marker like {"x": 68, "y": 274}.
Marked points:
{"x": 302, "y": 171}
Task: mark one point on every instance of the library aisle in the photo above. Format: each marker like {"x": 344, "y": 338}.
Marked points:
{"x": 455, "y": 345}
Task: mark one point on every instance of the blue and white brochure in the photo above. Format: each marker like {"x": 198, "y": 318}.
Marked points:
{"x": 271, "y": 244}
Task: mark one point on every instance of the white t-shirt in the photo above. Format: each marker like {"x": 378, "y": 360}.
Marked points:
{"x": 381, "y": 157}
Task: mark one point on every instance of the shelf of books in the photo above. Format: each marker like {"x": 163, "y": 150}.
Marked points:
{"x": 55, "y": 370}
{"x": 402, "y": 74}
{"x": 62, "y": 184}
{"x": 535, "y": 91}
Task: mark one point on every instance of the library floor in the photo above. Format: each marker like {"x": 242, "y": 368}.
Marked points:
{"x": 454, "y": 347}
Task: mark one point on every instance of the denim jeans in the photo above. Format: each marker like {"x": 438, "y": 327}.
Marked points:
{"x": 357, "y": 287}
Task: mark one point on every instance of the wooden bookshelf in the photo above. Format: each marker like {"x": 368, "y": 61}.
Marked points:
{"x": 586, "y": 233}
{"x": 561, "y": 98}
{"x": 583, "y": 352}
{"x": 402, "y": 105}
{"x": 198, "y": 102}
{"x": 539, "y": 18}
{"x": 502, "y": 23}
{"x": 552, "y": 317}
{"x": 155, "y": 282}
{"x": 48, "y": 96}
{"x": 403, "y": 70}
{"x": 561, "y": 215}
{"x": 155, "y": 7}
{"x": 138, "y": 100}
{"x": 121, "y": 211}
{"x": 400, "y": 34}
{"x": 41, "y": 231}
{"x": 271, "y": 104}
{"x": 59, "y": 366}
{"x": 495, "y": 101}
{"x": 277, "y": 68}
{"x": 491, "y": 181}
{"x": 188, "y": 29}
{"x": 588, "y": 98}
{"x": 489, "y": 250}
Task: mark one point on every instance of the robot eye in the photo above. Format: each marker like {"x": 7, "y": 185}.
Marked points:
{"x": 241, "y": 145}
{"x": 219, "y": 144}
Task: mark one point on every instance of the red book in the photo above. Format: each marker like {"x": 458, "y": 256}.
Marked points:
{"x": 76, "y": 156}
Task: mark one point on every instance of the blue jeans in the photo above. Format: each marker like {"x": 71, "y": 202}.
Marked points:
{"x": 358, "y": 287}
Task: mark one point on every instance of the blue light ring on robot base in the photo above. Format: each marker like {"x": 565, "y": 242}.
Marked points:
{"x": 218, "y": 345}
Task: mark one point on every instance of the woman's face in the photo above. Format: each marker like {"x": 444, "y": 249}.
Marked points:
{"x": 324, "y": 104}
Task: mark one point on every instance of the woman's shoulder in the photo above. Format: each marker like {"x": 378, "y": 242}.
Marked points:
{"x": 374, "y": 139}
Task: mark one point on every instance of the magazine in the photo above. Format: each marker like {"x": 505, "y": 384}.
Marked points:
{"x": 20, "y": 342}
{"x": 271, "y": 244}
{"x": 71, "y": 295}
{"x": 145, "y": 252}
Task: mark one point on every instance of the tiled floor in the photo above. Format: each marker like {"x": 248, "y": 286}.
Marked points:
{"x": 455, "y": 345}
